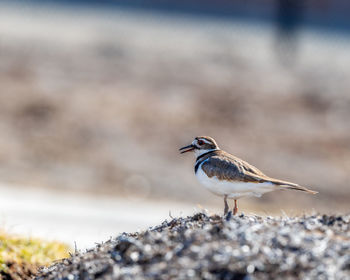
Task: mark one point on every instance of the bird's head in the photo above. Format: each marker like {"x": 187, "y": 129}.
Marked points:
{"x": 201, "y": 145}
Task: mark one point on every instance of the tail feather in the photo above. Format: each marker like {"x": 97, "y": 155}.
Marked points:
{"x": 291, "y": 186}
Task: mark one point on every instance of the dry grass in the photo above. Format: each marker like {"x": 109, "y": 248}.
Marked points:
{"x": 20, "y": 257}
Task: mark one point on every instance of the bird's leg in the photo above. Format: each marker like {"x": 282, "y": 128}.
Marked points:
{"x": 226, "y": 205}
{"x": 235, "y": 209}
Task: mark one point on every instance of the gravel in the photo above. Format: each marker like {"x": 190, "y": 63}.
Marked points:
{"x": 216, "y": 247}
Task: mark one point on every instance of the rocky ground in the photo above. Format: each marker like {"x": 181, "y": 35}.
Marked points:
{"x": 215, "y": 247}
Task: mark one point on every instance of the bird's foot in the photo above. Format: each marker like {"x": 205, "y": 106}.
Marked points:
{"x": 228, "y": 216}
{"x": 235, "y": 209}
{"x": 226, "y": 205}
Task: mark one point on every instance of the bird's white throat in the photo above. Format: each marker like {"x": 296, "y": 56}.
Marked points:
{"x": 201, "y": 152}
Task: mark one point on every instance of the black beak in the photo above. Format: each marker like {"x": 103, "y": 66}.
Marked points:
{"x": 187, "y": 149}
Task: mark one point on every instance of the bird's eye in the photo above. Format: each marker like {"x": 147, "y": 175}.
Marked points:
{"x": 200, "y": 142}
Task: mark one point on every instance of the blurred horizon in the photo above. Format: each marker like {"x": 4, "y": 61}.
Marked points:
{"x": 325, "y": 15}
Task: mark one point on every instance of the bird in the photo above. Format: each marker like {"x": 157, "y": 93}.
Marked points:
{"x": 230, "y": 177}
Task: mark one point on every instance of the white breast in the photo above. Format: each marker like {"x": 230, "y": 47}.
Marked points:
{"x": 232, "y": 189}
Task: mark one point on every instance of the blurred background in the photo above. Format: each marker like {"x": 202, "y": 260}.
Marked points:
{"x": 96, "y": 97}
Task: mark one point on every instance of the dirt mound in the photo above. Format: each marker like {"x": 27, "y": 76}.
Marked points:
{"x": 215, "y": 247}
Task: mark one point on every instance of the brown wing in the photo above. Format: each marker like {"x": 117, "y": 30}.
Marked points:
{"x": 248, "y": 167}
{"x": 227, "y": 167}
{"x": 232, "y": 169}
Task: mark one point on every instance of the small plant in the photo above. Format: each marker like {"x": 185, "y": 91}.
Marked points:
{"x": 20, "y": 256}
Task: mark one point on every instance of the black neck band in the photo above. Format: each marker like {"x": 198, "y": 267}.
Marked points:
{"x": 198, "y": 162}
{"x": 203, "y": 155}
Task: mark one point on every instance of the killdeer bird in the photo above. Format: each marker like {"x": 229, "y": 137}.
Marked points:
{"x": 230, "y": 177}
